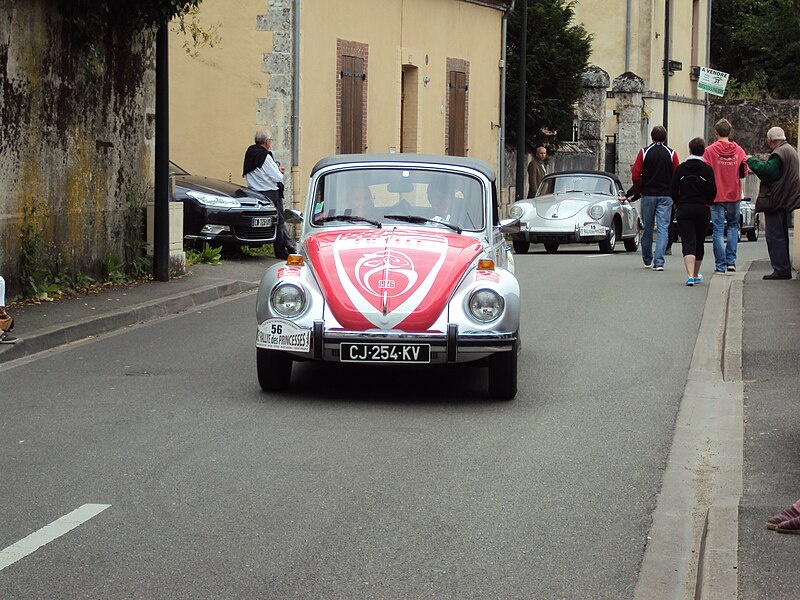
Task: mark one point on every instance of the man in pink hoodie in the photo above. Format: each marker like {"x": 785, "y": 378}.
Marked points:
{"x": 727, "y": 160}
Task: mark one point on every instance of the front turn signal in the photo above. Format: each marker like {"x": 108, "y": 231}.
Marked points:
{"x": 485, "y": 264}
{"x": 295, "y": 260}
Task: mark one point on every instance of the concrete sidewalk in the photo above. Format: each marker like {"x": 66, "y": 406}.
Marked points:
{"x": 48, "y": 325}
{"x": 768, "y": 567}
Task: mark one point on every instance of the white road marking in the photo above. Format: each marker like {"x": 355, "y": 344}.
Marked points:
{"x": 48, "y": 533}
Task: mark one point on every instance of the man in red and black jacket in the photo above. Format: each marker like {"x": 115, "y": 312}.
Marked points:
{"x": 652, "y": 175}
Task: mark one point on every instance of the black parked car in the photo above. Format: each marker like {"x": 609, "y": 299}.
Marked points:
{"x": 223, "y": 213}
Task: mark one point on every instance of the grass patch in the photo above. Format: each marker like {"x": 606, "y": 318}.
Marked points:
{"x": 265, "y": 250}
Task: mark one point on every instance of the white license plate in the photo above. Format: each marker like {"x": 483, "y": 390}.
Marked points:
{"x": 282, "y": 334}
{"x": 593, "y": 230}
{"x": 262, "y": 222}
{"x": 384, "y": 353}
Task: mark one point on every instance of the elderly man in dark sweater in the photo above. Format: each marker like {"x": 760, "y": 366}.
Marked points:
{"x": 778, "y": 195}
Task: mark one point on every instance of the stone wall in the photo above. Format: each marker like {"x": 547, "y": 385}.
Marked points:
{"x": 275, "y": 110}
{"x": 752, "y": 118}
{"x": 77, "y": 132}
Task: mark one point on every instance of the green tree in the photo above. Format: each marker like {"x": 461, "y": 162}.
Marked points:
{"x": 133, "y": 12}
{"x": 557, "y": 53}
{"x": 756, "y": 42}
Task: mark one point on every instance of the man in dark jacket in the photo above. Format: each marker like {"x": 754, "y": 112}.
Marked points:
{"x": 778, "y": 195}
{"x": 652, "y": 175}
{"x": 536, "y": 170}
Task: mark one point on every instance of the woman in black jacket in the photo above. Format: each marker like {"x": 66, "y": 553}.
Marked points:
{"x": 693, "y": 190}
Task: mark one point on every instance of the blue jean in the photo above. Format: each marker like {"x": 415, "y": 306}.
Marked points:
{"x": 725, "y": 254}
{"x": 656, "y": 209}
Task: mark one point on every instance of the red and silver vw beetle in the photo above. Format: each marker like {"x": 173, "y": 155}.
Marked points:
{"x": 401, "y": 260}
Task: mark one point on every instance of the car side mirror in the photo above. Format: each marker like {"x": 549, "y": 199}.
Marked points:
{"x": 509, "y": 225}
{"x": 293, "y": 216}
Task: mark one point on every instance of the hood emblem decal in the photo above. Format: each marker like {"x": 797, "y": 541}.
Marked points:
{"x": 385, "y": 283}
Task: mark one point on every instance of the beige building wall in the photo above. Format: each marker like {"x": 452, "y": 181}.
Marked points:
{"x": 688, "y": 30}
{"x": 212, "y": 95}
{"x": 221, "y": 96}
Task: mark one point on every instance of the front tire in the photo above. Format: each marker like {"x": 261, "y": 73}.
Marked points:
{"x": 607, "y": 245}
{"x": 274, "y": 369}
{"x": 520, "y": 247}
{"x": 632, "y": 244}
{"x": 550, "y": 247}
{"x": 752, "y": 236}
{"x": 503, "y": 374}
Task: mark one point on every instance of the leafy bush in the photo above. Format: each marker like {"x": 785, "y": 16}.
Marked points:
{"x": 207, "y": 254}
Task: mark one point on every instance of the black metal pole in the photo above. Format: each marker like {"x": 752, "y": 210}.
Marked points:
{"x": 665, "y": 120}
{"x": 523, "y": 53}
{"x": 161, "y": 208}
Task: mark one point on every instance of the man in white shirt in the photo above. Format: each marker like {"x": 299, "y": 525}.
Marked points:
{"x": 260, "y": 169}
{"x": 264, "y": 175}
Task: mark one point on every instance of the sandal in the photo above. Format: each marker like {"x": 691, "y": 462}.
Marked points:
{"x": 790, "y": 526}
{"x": 782, "y": 517}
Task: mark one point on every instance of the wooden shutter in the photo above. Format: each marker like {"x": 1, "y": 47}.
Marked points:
{"x": 353, "y": 79}
{"x": 456, "y": 142}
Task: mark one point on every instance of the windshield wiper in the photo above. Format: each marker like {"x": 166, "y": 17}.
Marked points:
{"x": 351, "y": 219}
{"x": 419, "y": 220}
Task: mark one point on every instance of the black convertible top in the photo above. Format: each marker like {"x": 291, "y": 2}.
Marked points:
{"x": 457, "y": 161}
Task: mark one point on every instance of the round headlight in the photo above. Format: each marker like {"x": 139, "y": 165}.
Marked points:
{"x": 596, "y": 211}
{"x": 516, "y": 212}
{"x": 288, "y": 299}
{"x": 485, "y": 305}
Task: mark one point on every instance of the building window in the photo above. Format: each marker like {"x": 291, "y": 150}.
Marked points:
{"x": 695, "y": 32}
{"x": 409, "y": 119}
{"x": 351, "y": 97}
{"x": 456, "y": 128}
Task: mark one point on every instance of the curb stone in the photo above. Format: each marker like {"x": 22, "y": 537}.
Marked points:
{"x": 59, "y": 335}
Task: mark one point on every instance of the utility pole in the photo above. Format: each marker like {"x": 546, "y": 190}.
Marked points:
{"x": 161, "y": 208}
{"x": 523, "y": 53}
{"x": 665, "y": 120}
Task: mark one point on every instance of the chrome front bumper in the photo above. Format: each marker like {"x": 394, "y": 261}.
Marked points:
{"x": 454, "y": 346}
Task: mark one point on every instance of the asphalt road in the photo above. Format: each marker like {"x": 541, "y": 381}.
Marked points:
{"x": 356, "y": 483}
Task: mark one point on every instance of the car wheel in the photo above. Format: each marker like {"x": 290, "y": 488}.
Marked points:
{"x": 274, "y": 369}
{"x": 551, "y": 247}
{"x": 521, "y": 247}
{"x": 503, "y": 374}
{"x": 607, "y": 245}
{"x": 632, "y": 244}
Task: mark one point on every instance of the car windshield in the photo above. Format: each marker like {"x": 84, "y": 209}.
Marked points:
{"x": 176, "y": 170}
{"x": 393, "y": 196}
{"x": 588, "y": 184}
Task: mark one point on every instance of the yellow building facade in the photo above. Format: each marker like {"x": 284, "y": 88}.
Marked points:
{"x": 629, "y": 36}
{"x": 338, "y": 76}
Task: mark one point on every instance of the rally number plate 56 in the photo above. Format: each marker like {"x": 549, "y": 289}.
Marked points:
{"x": 282, "y": 334}
{"x": 384, "y": 353}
